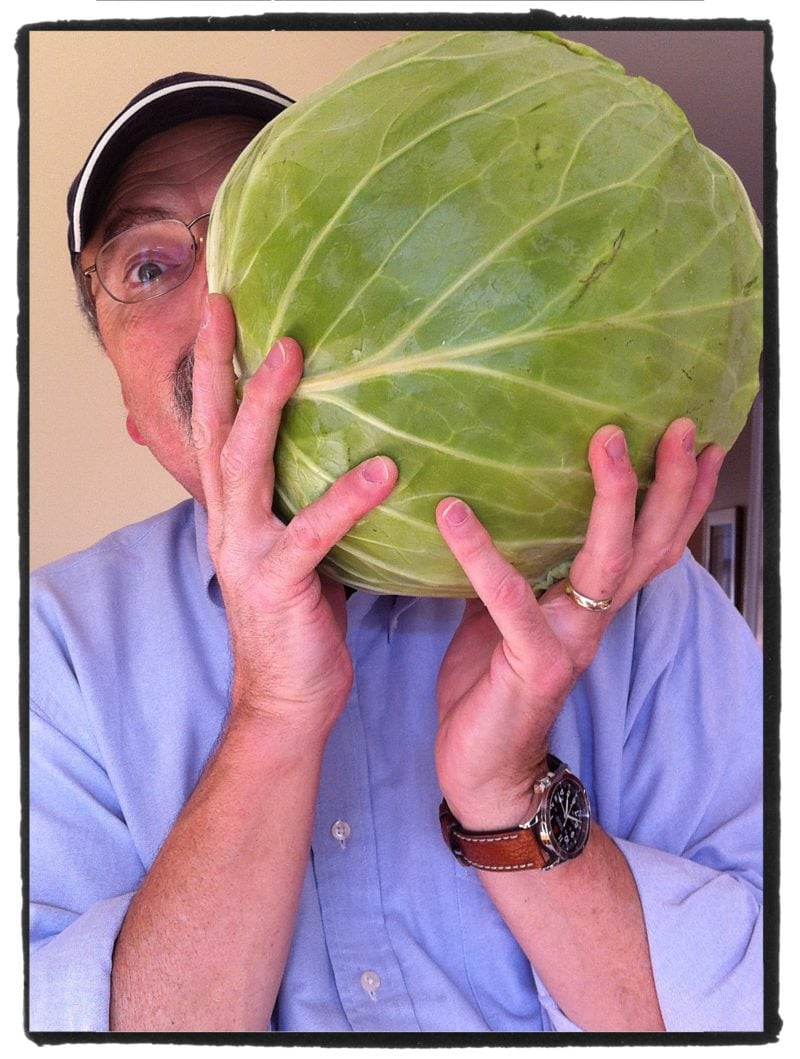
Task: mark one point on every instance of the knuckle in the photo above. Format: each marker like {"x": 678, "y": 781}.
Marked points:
{"x": 628, "y": 479}
{"x": 686, "y": 479}
{"x": 202, "y": 434}
{"x": 618, "y": 563}
{"x": 608, "y": 566}
{"x": 512, "y": 591}
{"x": 555, "y": 673}
{"x": 677, "y": 474}
{"x": 260, "y": 391}
{"x": 233, "y": 465}
{"x": 622, "y": 486}
{"x": 305, "y": 533}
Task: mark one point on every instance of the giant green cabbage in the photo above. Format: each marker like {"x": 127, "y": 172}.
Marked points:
{"x": 489, "y": 244}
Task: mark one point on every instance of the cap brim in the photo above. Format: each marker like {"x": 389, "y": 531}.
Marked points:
{"x": 162, "y": 106}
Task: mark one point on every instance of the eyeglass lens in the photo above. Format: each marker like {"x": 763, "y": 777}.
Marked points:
{"x": 148, "y": 260}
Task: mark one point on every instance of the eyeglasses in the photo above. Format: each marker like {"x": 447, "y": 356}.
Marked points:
{"x": 149, "y": 260}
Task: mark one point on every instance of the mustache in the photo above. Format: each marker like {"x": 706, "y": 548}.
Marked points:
{"x": 182, "y": 394}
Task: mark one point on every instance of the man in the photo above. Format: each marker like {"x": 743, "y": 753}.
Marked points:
{"x": 236, "y": 769}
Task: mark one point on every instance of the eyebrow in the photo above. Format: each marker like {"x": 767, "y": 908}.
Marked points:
{"x": 128, "y": 217}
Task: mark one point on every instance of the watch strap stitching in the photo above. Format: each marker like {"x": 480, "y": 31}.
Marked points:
{"x": 499, "y": 867}
{"x": 468, "y": 837}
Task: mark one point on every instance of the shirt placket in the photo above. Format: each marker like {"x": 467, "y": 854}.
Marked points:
{"x": 368, "y": 977}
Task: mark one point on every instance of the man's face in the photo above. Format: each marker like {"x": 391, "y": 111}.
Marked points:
{"x": 173, "y": 174}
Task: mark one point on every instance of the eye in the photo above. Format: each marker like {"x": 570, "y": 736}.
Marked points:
{"x": 146, "y": 267}
{"x": 147, "y": 272}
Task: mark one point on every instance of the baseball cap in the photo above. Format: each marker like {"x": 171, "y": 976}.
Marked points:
{"x": 162, "y": 105}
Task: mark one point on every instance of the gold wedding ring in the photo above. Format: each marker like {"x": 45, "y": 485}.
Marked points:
{"x": 585, "y": 601}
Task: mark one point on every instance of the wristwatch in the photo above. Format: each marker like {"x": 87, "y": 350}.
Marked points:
{"x": 557, "y": 831}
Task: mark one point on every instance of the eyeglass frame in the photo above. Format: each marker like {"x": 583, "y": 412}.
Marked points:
{"x": 92, "y": 269}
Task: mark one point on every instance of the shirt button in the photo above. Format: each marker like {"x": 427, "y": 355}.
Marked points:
{"x": 341, "y": 831}
{"x": 371, "y": 983}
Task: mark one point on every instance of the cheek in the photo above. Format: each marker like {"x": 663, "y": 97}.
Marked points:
{"x": 146, "y": 347}
{"x": 142, "y": 331}
{"x": 145, "y": 357}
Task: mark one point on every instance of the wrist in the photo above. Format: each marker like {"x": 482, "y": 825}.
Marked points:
{"x": 305, "y": 714}
{"x": 554, "y": 830}
{"x": 498, "y": 805}
{"x": 491, "y": 816}
{"x": 261, "y": 726}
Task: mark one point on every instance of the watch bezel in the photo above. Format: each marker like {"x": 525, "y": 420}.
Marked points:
{"x": 542, "y": 821}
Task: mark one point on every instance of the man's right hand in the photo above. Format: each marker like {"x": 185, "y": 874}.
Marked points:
{"x": 287, "y": 625}
{"x": 205, "y": 940}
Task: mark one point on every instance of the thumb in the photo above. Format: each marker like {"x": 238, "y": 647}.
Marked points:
{"x": 213, "y": 379}
{"x": 213, "y": 391}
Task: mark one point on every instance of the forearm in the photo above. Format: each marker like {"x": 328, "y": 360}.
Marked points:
{"x": 205, "y": 941}
{"x": 582, "y": 928}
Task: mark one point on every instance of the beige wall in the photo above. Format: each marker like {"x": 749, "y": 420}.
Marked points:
{"x": 86, "y": 477}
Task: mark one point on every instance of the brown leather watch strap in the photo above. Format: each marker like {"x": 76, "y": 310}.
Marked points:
{"x": 512, "y": 850}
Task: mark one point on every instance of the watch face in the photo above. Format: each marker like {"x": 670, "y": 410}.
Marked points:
{"x": 565, "y": 821}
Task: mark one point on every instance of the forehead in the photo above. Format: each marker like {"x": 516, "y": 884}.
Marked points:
{"x": 173, "y": 172}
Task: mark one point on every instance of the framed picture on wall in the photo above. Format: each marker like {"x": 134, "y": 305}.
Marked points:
{"x": 722, "y": 544}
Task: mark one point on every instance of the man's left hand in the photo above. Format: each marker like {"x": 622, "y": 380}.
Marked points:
{"x": 514, "y": 659}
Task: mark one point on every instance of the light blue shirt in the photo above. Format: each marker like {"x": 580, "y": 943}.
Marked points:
{"x": 130, "y": 671}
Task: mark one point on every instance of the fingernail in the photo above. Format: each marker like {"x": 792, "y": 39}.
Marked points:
{"x": 688, "y": 440}
{"x": 617, "y": 447}
{"x": 456, "y": 513}
{"x": 276, "y": 356}
{"x": 375, "y": 471}
{"x": 206, "y": 317}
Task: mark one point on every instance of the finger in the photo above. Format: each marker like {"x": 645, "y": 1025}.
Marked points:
{"x": 506, "y": 594}
{"x": 681, "y": 492}
{"x": 600, "y": 566}
{"x": 673, "y": 500}
{"x": 709, "y": 465}
{"x": 246, "y": 460}
{"x": 317, "y": 528}
{"x": 668, "y": 496}
{"x": 213, "y": 391}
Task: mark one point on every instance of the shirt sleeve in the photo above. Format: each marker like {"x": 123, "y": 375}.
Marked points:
{"x": 705, "y": 932}
{"x": 70, "y": 975}
{"x": 83, "y": 864}
{"x": 686, "y": 804}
